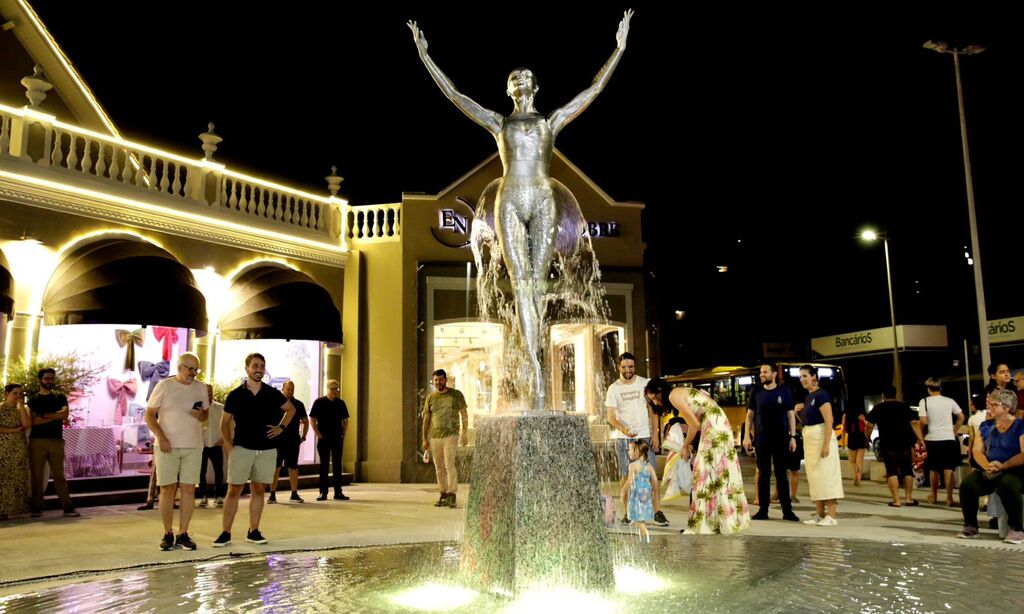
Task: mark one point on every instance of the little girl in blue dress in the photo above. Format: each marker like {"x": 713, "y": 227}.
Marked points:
{"x": 641, "y": 484}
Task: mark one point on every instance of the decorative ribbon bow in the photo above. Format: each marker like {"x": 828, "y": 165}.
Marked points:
{"x": 169, "y": 336}
{"x": 153, "y": 372}
{"x": 121, "y": 391}
{"x": 130, "y": 338}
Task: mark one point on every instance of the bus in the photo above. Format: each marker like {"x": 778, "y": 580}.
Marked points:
{"x": 731, "y": 388}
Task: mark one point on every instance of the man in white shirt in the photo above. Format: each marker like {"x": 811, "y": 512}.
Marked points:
{"x": 630, "y": 418}
{"x": 175, "y": 414}
{"x": 943, "y": 418}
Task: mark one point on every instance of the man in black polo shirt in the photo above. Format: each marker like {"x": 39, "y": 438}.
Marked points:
{"x": 288, "y": 446}
{"x": 260, "y": 414}
{"x": 329, "y": 416}
{"x": 46, "y": 443}
{"x": 770, "y": 415}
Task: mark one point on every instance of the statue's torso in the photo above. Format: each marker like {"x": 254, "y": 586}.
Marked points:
{"x": 524, "y": 144}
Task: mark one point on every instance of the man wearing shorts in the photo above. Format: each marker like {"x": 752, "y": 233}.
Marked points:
{"x": 288, "y": 445}
{"x": 943, "y": 418}
{"x": 175, "y": 414}
{"x": 260, "y": 414}
{"x": 898, "y": 430}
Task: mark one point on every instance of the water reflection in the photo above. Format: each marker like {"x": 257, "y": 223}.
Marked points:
{"x": 712, "y": 574}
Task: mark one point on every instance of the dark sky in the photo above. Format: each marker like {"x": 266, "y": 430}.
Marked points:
{"x": 762, "y": 140}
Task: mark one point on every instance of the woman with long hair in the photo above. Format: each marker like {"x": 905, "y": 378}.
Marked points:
{"x": 717, "y": 502}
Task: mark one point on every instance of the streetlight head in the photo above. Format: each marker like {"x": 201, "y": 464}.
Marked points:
{"x": 972, "y": 49}
{"x": 938, "y": 46}
{"x": 869, "y": 235}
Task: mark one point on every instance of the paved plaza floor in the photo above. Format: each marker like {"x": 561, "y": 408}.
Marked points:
{"x": 119, "y": 537}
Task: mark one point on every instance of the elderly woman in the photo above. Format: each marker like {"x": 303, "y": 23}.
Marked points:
{"x": 14, "y": 421}
{"x": 821, "y": 452}
{"x": 998, "y": 451}
{"x": 717, "y": 503}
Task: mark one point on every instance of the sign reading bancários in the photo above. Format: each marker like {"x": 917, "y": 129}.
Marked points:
{"x": 880, "y": 339}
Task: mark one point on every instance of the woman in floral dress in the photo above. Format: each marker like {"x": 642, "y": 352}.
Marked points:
{"x": 14, "y": 421}
{"x": 717, "y": 503}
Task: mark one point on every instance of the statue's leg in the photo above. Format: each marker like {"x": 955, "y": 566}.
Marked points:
{"x": 543, "y": 232}
{"x": 513, "y": 237}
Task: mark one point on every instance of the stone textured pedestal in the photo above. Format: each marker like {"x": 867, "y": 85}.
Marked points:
{"x": 534, "y": 516}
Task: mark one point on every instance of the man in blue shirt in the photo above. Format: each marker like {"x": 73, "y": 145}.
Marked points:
{"x": 770, "y": 416}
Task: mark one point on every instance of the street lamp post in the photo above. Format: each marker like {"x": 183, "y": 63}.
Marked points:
{"x": 897, "y": 370}
{"x": 979, "y": 287}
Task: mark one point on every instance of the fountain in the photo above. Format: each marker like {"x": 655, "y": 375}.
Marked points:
{"x": 533, "y": 518}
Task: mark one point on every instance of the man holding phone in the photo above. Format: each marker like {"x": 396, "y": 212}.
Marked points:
{"x": 175, "y": 415}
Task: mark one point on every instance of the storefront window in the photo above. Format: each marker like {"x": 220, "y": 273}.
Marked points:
{"x": 469, "y": 352}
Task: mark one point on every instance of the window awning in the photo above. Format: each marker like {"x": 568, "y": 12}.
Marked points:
{"x": 6, "y": 288}
{"x": 123, "y": 280}
{"x": 275, "y": 302}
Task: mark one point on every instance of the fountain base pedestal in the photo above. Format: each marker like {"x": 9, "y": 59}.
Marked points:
{"x": 534, "y": 517}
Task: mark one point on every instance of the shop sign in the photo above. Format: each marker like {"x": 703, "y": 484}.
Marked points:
{"x": 880, "y": 339}
{"x": 453, "y": 225}
{"x": 598, "y": 230}
{"x": 1006, "y": 330}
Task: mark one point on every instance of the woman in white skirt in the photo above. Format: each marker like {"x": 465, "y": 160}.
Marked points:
{"x": 821, "y": 452}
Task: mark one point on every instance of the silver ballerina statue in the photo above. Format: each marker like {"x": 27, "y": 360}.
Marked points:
{"x": 527, "y": 205}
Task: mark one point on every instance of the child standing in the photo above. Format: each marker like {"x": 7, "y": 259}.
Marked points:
{"x": 641, "y": 484}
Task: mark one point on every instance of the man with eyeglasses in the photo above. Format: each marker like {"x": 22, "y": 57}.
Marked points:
{"x": 175, "y": 414}
{"x": 329, "y": 419}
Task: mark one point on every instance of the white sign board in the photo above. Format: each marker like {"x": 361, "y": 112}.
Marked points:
{"x": 1006, "y": 330}
{"x": 879, "y": 340}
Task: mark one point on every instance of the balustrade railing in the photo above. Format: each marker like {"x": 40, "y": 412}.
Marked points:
{"x": 374, "y": 223}
{"x": 39, "y": 138}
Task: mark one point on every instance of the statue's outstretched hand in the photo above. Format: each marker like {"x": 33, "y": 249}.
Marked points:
{"x": 620, "y": 36}
{"x": 421, "y": 40}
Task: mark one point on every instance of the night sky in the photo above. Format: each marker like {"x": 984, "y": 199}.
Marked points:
{"x": 758, "y": 140}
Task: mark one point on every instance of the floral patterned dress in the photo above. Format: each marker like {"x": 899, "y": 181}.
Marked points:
{"x": 717, "y": 503}
{"x": 13, "y": 464}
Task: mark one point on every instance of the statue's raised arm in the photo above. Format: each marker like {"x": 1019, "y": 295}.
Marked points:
{"x": 560, "y": 117}
{"x": 485, "y": 117}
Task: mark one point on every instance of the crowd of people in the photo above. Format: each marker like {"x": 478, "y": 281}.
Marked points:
{"x": 255, "y": 432}
{"x": 784, "y": 435}
{"x": 258, "y": 430}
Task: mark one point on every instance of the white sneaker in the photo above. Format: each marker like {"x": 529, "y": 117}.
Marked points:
{"x": 219, "y": 501}
{"x": 828, "y": 521}
{"x": 204, "y": 502}
{"x": 814, "y": 521}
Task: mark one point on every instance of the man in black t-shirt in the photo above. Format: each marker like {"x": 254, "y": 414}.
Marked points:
{"x": 288, "y": 446}
{"x": 898, "y": 430}
{"x": 770, "y": 416}
{"x": 260, "y": 414}
{"x": 329, "y": 417}
{"x": 46, "y": 443}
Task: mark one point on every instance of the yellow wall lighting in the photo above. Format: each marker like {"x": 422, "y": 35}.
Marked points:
{"x": 174, "y": 213}
{"x": 89, "y": 236}
{"x": 29, "y": 337}
{"x": 7, "y": 347}
{"x": 248, "y": 264}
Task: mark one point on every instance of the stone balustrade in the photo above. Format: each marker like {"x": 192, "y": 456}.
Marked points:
{"x": 204, "y": 185}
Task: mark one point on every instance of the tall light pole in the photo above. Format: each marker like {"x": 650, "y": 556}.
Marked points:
{"x": 979, "y": 287}
{"x": 897, "y": 371}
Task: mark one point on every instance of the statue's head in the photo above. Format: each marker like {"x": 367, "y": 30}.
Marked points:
{"x": 522, "y": 82}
